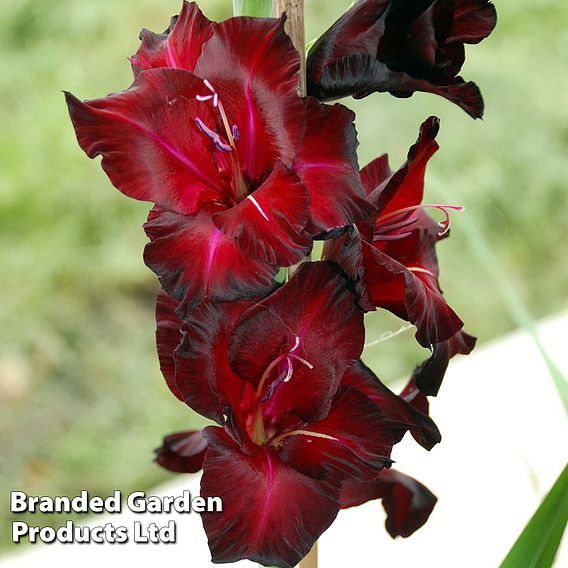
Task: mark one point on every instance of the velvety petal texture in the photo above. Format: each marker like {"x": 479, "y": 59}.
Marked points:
{"x": 429, "y": 374}
{"x": 203, "y": 374}
{"x": 405, "y": 188}
{"x": 326, "y": 164}
{"x": 407, "y": 502}
{"x": 315, "y": 319}
{"x": 397, "y": 413}
{"x": 197, "y": 262}
{"x": 411, "y": 291}
{"x": 252, "y": 64}
{"x": 182, "y": 452}
{"x": 152, "y": 149}
{"x": 284, "y": 363}
{"x": 401, "y": 46}
{"x": 269, "y": 224}
{"x": 179, "y": 47}
{"x": 168, "y": 337}
{"x": 353, "y": 440}
{"x": 272, "y": 513}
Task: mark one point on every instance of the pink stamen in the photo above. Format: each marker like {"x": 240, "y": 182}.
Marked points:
{"x": 306, "y": 363}
{"x": 408, "y": 220}
{"x": 232, "y": 134}
{"x": 396, "y": 237}
{"x": 287, "y": 374}
{"x": 419, "y": 269}
{"x": 214, "y": 96}
{"x": 404, "y": 218}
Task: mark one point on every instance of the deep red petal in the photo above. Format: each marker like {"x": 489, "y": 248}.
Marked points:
{"x": 464, "y": 94}
{"x": 352, "y": 441}
{"x": 411, "y": 290}
{"x": 182, "y": 452}
{"x": 347, "y": 251}
{"x": 272, "y": 514}
{"x": 168, "y": 337}
{"x": 406, "y": 186}
{"x": 268, "y": 225}
{"x": 397, "y": 412}
{"x": 374, "y": 174}
{"x": 473, "y": 21}
{"x": 203, "y": 374}
{"x": 327, "y": 165}
{"x": 255, "y": 69}
{"x": 399, "y": 47}
{"x": 357, "y": 31}
{"x": 151, "y": 147}
{"x": 411, "y": 394}
{"x": 180, "y": 46}
{"x": 196, "y": 262}
{"x": 317, "y": 307}
{"x": 429, "y": 374}
{"x": 407, "y": 502}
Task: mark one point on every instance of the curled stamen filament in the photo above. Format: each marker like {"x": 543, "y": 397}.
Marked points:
{"x": 306, "y": 363}
{"x": 420, "y": 269}
{"x": 219, "y": 106}
{"x": 214, "y": 136}
{"x": 287, "y": 375}
{"x": 279, "y": 439}
{"x": 400, "y": 223}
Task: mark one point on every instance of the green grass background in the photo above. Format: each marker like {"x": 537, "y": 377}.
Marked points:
{"x": 82, "y": 401}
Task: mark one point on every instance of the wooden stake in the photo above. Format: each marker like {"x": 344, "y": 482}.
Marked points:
{"x": 311, "y": 560}
{"x": 295, "y": 29}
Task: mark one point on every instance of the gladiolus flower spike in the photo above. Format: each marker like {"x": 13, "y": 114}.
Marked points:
{"x": 244, "y": 174}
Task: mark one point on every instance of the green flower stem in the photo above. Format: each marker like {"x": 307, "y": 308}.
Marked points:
{"x": 258, "y": 8}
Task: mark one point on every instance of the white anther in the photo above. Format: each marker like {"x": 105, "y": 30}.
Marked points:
{"x": 289, "y": 371}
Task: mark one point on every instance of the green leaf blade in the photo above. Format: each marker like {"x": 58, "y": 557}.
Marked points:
{"x": 538, "y": 544}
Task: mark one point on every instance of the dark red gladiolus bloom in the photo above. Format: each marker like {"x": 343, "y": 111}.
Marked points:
{"x": 299, "y": 414}
{"x": 401, "y": 46}
{"x": 392, "y": 256}
{"x": 407, "y": 502}
{"x": 243, "y": 172}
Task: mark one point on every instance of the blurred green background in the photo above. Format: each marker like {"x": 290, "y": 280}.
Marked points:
{"x": 82, "y": 401}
